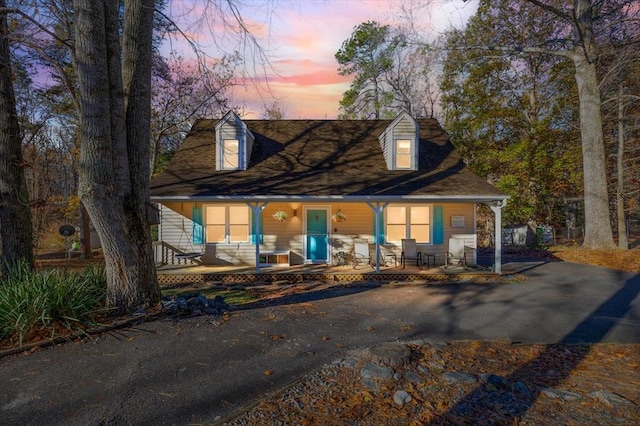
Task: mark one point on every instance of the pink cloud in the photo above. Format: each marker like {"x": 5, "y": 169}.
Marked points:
{"x": 302, "y": 102}
{"x": 316, "y": 78}
{"x": 301, "y": 39}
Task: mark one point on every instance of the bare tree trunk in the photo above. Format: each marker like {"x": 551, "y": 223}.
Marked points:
{"x": 85, "y": 232}
{"x": 106, "y": 188}
{"x": 598, "y": 234}
{"x": 136, "y": 71}
{"x": 15, "y": 212}
{"x": 623, "y": 243}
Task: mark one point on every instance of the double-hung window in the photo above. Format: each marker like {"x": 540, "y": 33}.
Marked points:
{"x": 403, "y": 154}
{"x": 408, "y": 222}
{"x": 227, "y": 224}
{"x": 230, "y": 154}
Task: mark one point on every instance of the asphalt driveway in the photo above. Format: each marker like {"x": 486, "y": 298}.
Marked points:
{"x": 199, "y": 370}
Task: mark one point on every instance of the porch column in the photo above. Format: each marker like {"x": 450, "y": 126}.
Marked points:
{"x": 378, "y": 208}
{"x": 497, "y": 206}
{"x": 257, "y": 207}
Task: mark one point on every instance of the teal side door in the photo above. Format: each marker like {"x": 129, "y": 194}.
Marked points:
{"x": 317, "y": 236}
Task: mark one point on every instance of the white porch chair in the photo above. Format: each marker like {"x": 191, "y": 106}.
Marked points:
{"x": 410, "y": 252}
{"x": 456, "y": 255}
{"x": 361, "y": 253}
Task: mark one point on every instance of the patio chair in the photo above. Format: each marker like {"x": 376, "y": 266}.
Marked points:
{"x": 361, "y": 253}
{"x": 410, "y": 252}
{"x": 456, "y": 255}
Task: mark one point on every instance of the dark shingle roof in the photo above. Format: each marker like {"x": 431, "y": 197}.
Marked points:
{"x": 319, "y": 158}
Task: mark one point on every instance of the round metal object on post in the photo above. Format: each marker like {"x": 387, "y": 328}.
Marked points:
{"x": 67, "y": 230}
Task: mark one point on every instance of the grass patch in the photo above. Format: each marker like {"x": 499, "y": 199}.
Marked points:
{"x": 36, "y": 303}
{"x": 231, "y": 296}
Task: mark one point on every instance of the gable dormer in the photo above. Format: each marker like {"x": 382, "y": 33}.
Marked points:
{"x": 234, "y": 143}
{"x": 399, "y": 143}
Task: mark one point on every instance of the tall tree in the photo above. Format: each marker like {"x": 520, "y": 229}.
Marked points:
{"x": 114, "y": 94}
{"x": 412, "y": 79}
{"x": 15, "y": 214}
{"x": 579, "y": 27}
{"x": 108, "y": 76}
{"x": 621, "y": 107}
{"x": 47, "y": 135}
{"x": 501, "y": 111}
{"x": 366, "y": 55}
{"x": 391, "y": 73}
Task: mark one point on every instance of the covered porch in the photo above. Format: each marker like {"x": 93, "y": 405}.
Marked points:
{"x": 293, "y": 241}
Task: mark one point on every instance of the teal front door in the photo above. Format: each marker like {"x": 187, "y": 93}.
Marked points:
{"x": 317, "y": 238}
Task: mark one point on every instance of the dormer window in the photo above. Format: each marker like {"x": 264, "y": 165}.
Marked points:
{"x": 230, "y": 151}
{"x": 403, "y": 153}
{"x": 234, "y": 143}
{"x": 399, "y": 143}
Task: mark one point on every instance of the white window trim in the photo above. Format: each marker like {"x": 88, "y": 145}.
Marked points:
{"x": 223, "y": 154}
{"x": 227, "y": 226}
{"x": 407, "y": 223}
{"x": 411, "y": 153}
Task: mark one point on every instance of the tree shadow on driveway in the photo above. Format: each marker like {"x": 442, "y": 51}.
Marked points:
{"x": 311, "y": 296}
{"x": 592, "y": 330}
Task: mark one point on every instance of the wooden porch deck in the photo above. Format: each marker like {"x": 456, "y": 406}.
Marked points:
{"x": 244, "y": 274}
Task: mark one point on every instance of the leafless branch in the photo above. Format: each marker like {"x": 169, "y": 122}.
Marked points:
{"x": 44, "y": 29}
{"x": 557, "y": 12}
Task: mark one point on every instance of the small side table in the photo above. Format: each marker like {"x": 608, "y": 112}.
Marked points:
{"x": 429, "y": 257}
{"x": 388, "y": 258}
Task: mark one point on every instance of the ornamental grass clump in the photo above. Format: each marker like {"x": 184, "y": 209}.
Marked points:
{"x": 37, "y": 304}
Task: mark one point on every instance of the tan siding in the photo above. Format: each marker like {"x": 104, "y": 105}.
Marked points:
{"x": 359, "y": 225}
{"x": 466, "y": 210}
{"x": 282, "y": 236}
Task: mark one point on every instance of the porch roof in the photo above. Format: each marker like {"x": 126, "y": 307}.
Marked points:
{"x": 320, "y": 160}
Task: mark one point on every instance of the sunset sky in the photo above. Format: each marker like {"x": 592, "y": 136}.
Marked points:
{"x": 301, "y": 39}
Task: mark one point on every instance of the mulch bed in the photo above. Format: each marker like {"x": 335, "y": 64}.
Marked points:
{"x": 622, "y": 260}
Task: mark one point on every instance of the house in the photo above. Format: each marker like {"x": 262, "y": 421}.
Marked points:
{"x": 264, "y": 192}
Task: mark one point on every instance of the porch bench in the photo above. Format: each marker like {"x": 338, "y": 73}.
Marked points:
{"x": 275, "y": 258}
